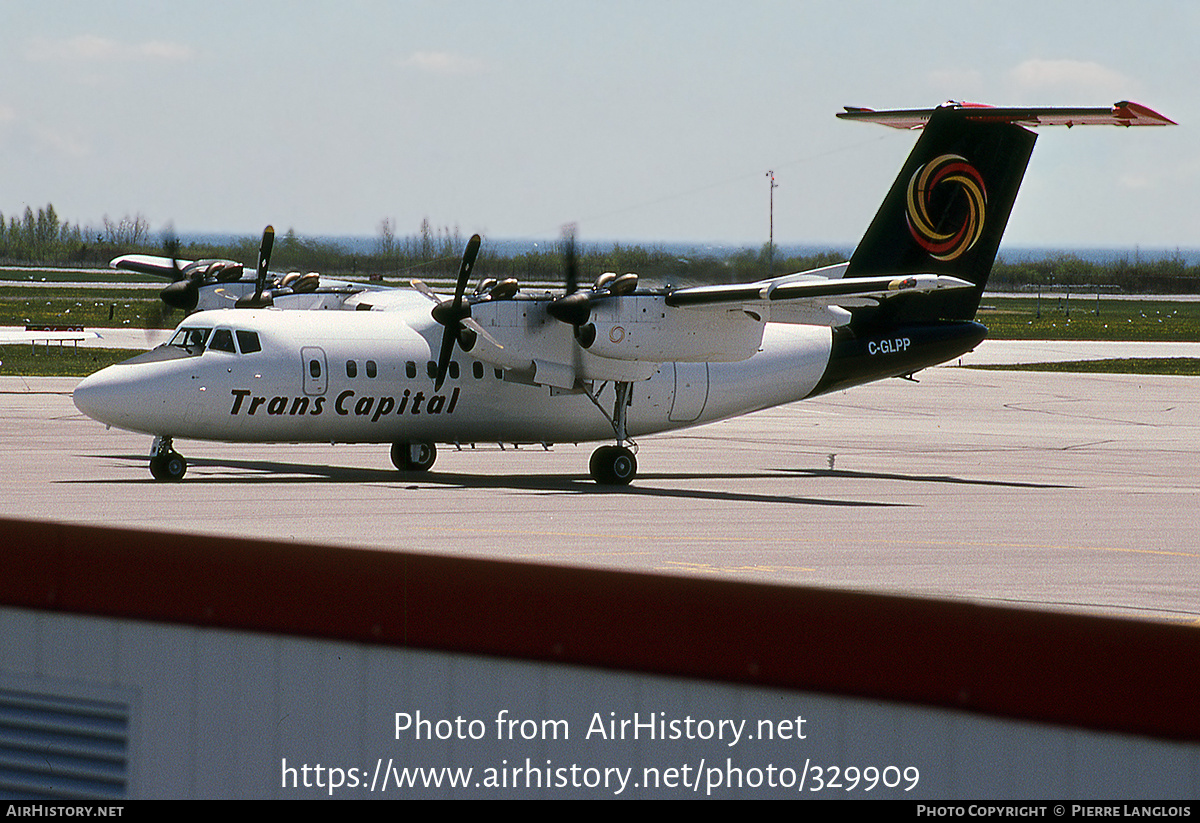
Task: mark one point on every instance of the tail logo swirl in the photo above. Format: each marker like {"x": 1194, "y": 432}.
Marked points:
{"x": 934, "y": 178}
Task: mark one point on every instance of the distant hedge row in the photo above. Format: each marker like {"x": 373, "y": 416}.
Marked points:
{"x": 1169, "y": 275}
{"x": 40, "y": 237}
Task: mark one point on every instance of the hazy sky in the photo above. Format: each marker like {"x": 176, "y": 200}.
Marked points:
{"x": 648, "y": 121}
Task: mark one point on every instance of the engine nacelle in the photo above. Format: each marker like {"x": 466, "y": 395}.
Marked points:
{"x": 644, "y": 328}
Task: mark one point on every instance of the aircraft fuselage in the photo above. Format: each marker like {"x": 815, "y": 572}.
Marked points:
{"x": 366, "y": 377}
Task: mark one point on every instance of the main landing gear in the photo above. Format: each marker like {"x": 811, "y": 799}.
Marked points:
{"x": 413, "y": 457}
{"x": 165, "y": 462}
{"x": 615, "y": 465}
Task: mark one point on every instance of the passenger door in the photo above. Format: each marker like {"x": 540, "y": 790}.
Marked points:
{"x": 316, "y": 377}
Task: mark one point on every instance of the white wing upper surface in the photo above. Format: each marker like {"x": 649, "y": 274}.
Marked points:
{"x": 807, "y": 297}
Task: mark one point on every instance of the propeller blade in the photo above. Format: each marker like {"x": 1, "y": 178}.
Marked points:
{"x": 572, "y": 270}
{"x": 156, "y": 318}
{"x": 264, "y": 261}
{"x": 468, "y": 263}
{"x": 171, "y": 245}
{"x": 448, "y": 340}
{"x": 451, "y": 314}
{"x": 574, "y": 307}
{"x": 261, "y": 297}
{"x": 473, "y": 324}
{"x": 183, "y": 292}
{"x": 425, "y": 290}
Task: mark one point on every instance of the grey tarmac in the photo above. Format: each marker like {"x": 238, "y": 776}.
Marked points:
{"x": 1073, "y": 492}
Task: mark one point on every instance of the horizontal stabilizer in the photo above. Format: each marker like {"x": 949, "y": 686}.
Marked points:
{"x": 1124, "y": 113}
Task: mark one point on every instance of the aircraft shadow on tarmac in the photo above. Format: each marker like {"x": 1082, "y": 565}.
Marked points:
{"x": 211, "y": 471}
{"x": 925, "y": 478}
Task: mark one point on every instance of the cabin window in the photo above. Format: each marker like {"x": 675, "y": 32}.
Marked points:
{"x": 499, "y": 374}
{"x": 314, "y": 369}
{"x": 248, "y": 341}
{"x": 431, "y": 369}
{"x": 453, "y": 369}
{"x": 410, "y": 368}
{"x": 351, "y": 368}
{"x": 477, "y": 370}
{"x": 222, "y": 340}
{"x": 372, "y": 369}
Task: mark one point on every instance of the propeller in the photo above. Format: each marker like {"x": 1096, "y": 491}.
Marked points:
{"x": 455, "y": 314}
{"x": 574, "y": 307}
{"x": 259, "y": 299}
{"x": 183, "y": 292}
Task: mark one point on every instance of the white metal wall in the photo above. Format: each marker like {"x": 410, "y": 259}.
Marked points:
{"x": 214, "y": 714}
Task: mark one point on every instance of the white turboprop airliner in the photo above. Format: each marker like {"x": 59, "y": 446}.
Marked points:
{"x": 609, "y": 362}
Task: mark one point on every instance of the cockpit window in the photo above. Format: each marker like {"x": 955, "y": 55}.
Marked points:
{"x": 222, "y": 340}
{"x": 248, "y": 342}
{"x": 190, "y": 338}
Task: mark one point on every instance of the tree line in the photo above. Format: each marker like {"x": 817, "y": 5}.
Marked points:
{"x": 1159, "y": 275}
{"x": 432, "y": 252}
{"x": 41, "y": 238}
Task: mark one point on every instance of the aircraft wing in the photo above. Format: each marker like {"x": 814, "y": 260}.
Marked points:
{"x": 149, "y": 264}
{"x": 797, "y": 294}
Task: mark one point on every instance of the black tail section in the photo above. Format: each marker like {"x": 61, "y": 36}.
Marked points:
{"x": 946, "y": 213}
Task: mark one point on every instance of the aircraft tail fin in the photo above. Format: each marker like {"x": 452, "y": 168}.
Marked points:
{"x": 946, "y": 211}
{"x": 944, "y": 215}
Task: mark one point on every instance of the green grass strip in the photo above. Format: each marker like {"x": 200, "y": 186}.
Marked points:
{"x": 24, "y": 360}
{"x": 1186, "y": 366}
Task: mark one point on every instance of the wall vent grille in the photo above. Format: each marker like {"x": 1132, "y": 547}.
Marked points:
{"x": 57, "y": 747}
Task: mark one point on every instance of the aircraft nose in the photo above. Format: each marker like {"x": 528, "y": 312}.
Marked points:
{"x": 97, "y": 396}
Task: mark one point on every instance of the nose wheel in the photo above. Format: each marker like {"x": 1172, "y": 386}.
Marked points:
{"x": 166, "y": 463}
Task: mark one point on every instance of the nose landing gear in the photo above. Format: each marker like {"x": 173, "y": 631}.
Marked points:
{"x": 166, "y": 463}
